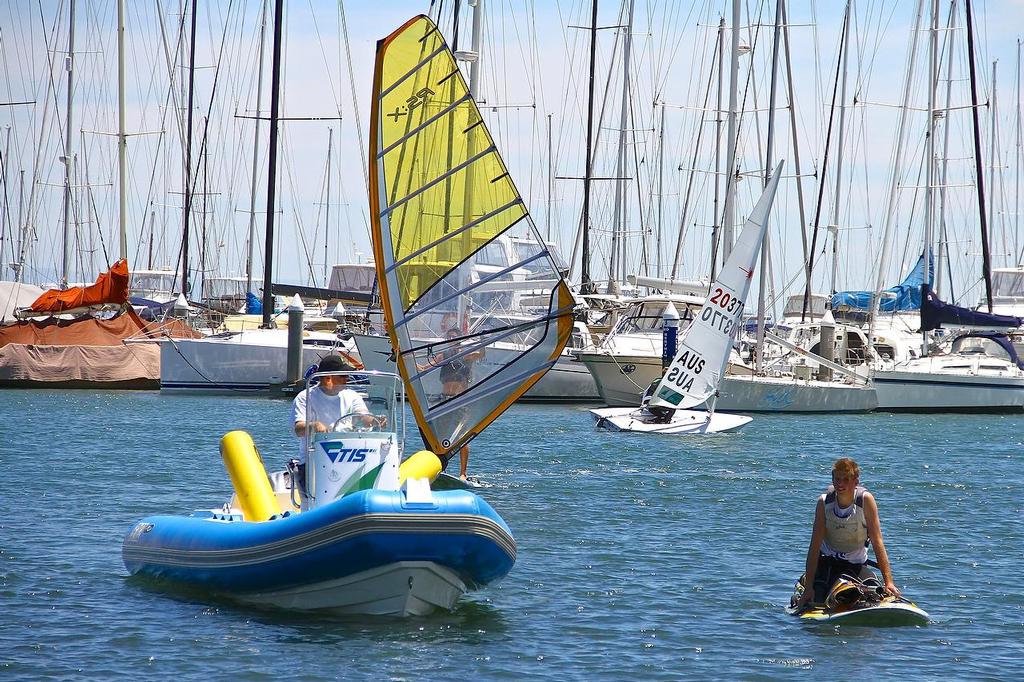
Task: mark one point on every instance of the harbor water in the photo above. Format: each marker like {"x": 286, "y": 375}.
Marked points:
{"x": 639, "y": 556}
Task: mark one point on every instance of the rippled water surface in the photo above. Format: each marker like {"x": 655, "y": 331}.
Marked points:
{"x": 652, "y": 556}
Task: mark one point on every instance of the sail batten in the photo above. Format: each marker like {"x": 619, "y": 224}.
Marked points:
{"x": 448, "y": 225}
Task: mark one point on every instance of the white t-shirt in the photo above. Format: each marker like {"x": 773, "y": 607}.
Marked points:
{"x": 324, "y": 408}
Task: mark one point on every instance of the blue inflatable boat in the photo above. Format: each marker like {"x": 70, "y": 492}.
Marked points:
{"x": 355, "y": 530}
{"x": 372, "y": 551}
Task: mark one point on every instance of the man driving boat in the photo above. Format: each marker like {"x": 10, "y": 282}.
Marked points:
{"x": 330, "y": 399}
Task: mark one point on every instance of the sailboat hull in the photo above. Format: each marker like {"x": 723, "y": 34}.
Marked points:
{"x": 910, "y": 391}
{"x": 683, "y": 421}
{"x": 778, "y": 394}
{"x": 251, "y": 361}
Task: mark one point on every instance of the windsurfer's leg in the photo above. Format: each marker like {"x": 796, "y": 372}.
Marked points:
{"x": 823, "y": 579}
{"x": 463, "y": 461}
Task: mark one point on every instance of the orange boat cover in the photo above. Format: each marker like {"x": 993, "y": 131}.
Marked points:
{"x": 110, "y": 287}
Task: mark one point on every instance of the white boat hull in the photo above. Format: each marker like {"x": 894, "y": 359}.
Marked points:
{"x": 250, "y": 362}
{"x": 683, "y": 421}
{"x": 406, "y": 588}
{"x": 778, "y": 394}
{"x": 621, "y": 379}
{"x": 567, "y": 382}
{"x": 943, "y": 392}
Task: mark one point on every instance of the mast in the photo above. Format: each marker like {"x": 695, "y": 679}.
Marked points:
{"x": 122, "y": 138}
{"x": 551, "y": 179}
{"x": 993, "y": 139}
{"x": 474, "y": 66}
{"x": 985, "y": 255}
{"x": 716, "y": 226}
{"x": 841, "y": 137}
{"x": 693, "y": 170}
{"x": 843, "y": 41}
{"x": 773, "y": 86}
{"x": 894, "y": 179}
{"x": 275, "y": 102}
{"x": 933, "y": 72}
{"x": 586, "y": 285}
{"x": 619, "y": 229}
{"x": 255, "y": 158}
{"x": 327, "y": 203}
{"x": 796, "y": 146}
{"x": 941, "y": 254}
{"x": 188, "y": 155}
{"x": 1016, "y": 191}
{"x": 5, "y": 226}
{"x": 69, "y": 65}
{"x": 472, "y": 141}
{"x": 661, "y": 188}
{"x": 730, "y": 158}
{"x": 204, "y": 158}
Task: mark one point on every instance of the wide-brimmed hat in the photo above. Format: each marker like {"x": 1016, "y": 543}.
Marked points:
{"x": 333, "y": 363}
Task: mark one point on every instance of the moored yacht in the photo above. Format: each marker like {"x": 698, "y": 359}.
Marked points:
{"x": 980, "y": 373}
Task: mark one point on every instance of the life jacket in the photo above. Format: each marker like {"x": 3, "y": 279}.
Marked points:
{"x": 846, "y": 537}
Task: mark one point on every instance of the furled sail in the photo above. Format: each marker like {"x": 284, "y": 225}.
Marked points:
{"x": 110, "y": 287}
{"x": 697, "y": 368}
{"x": 473, "y": 300}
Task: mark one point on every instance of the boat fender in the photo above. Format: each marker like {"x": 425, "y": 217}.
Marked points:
{"x": 423, "y": 464}
{"x": 248, "y": 476}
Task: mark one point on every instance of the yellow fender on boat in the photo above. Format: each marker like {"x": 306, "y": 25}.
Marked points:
{"x": 248, "y": 476}
{"x": 423, "y": 464}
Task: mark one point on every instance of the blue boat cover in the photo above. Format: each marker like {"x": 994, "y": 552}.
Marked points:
{"x": 935, "y": 313}
{"x": 253, "y": 305}
{"x": 905, "y": 296}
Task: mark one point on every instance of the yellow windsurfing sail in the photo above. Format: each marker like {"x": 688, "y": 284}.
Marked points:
{"x": 473, "y": 299}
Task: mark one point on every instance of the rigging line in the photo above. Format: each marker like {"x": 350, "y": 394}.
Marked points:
{"x": 599, "y": 128}
{"x": 300, "y": 228}
{"x": 644, "y": 262}
{"x": 689, "y": 186}
{"x": 360, "y": 133}
{"x": 844, "y": 37}
{"x": 30, "y": 216}
{"x": 320, "y": 43}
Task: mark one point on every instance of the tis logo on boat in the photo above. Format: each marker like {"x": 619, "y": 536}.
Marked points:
{"x": 338, "y": 453}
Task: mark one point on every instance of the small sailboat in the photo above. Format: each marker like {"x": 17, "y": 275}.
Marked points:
{"x": 369, "y": 534}
{"x": 693, "y": 377}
